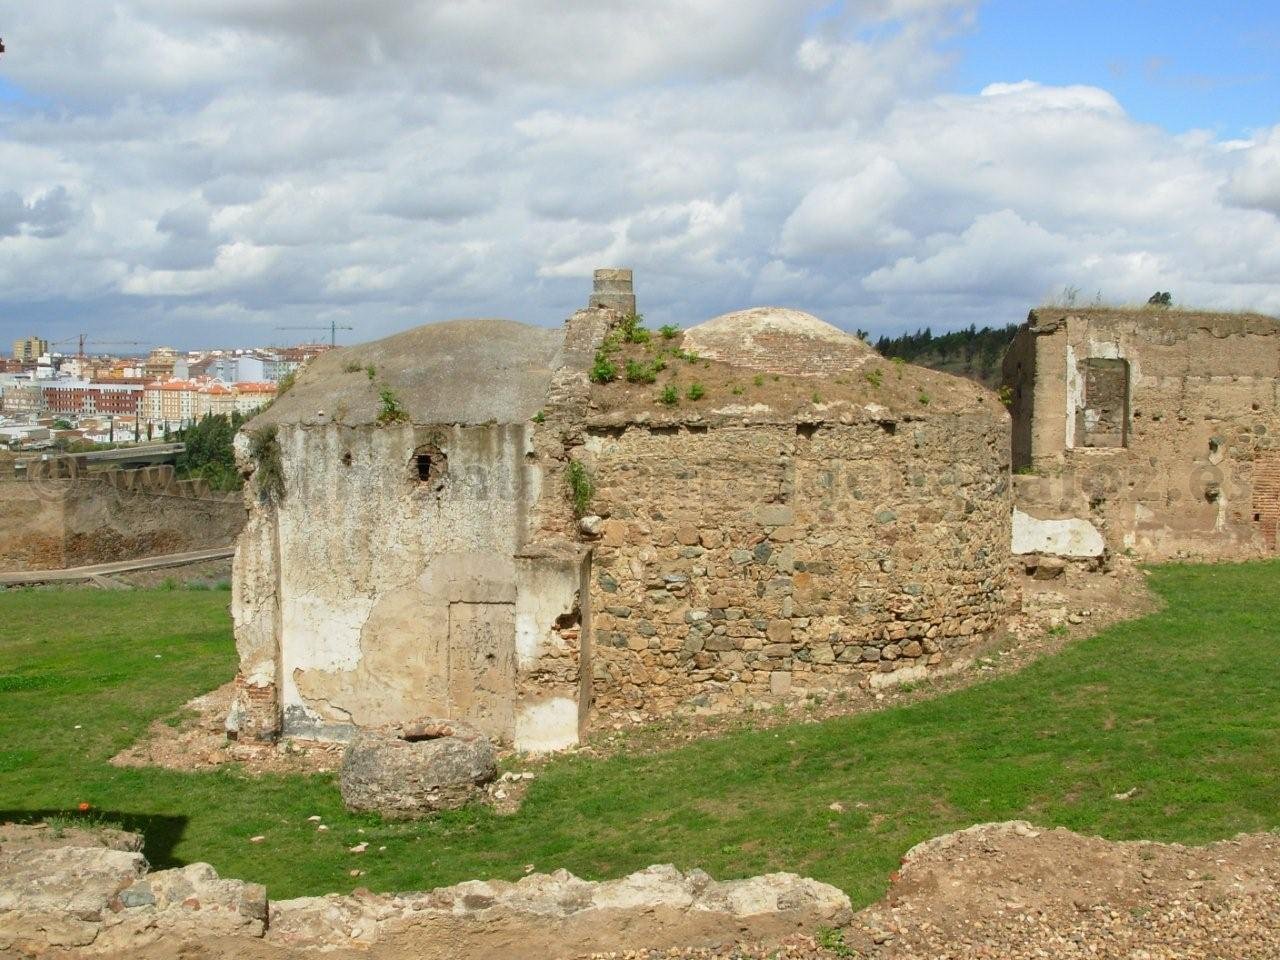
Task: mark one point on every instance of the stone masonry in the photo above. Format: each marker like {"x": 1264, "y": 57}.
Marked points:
{"x": 431, "y": 561}
{"x": 741, "y": 562}
{"x": 1151, "y": 431}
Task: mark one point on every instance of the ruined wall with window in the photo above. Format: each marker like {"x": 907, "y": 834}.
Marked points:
{"x": 1152, "y": 431}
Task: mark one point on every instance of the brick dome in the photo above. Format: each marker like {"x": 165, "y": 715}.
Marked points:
{"x": 779, "y": 340}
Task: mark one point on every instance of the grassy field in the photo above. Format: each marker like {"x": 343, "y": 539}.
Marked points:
{"x": 1182, "y": 705}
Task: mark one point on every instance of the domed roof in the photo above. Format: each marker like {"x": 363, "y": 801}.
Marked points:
{"x": 778, "y": 340}
{"x": 458, "y": 371}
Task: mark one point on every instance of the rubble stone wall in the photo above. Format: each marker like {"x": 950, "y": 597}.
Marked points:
{"x": 1201, "y": 462}
{"x": 51, "y": 524}
{"x": 741, "y": 562}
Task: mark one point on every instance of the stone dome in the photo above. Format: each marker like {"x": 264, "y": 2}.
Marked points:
{"x": 778, "y": 340}
{"x": 456, "y": 371}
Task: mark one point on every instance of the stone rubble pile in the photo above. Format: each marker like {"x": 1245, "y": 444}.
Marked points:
{"x": 96, "y": 901}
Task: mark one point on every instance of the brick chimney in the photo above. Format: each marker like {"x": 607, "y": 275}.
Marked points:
{"x": 612, "y": 289}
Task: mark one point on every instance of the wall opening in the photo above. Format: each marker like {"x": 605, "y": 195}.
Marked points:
{"x": 429, "y": 466}
{"x": 1103, "y": 418}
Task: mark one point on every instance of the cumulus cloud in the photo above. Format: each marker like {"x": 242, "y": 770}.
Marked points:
{"x": 214, "y": 169}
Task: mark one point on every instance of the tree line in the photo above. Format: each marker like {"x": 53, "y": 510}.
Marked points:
{"x": 974, "y": 352}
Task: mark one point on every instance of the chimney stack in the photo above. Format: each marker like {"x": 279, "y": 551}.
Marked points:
{"x": 612, "y": 290}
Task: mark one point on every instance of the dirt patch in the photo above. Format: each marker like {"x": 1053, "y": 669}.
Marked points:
{"x": 195, "y": 739}
{"x": 54, "y": 835}
{"x": 1013, "y": 891}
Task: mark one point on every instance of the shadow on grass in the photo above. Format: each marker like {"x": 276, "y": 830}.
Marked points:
{"x": 161, "y": 833}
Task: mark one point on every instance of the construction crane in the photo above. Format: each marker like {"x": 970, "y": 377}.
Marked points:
{"x": 84, "y": 338}
{"x": 333, "y": 329}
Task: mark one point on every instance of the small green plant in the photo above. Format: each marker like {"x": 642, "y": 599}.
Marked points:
{"x": 669, "y": 396}
{"x": 737, "y": 390}
{"x": 603, "y": 370}
{"x": 352, "y": 366}
{"x": 898, "y": 364}
{"x": 817, "y": 397}
{"x": 371, "y": 371}
{"x": 390, "y": 410}
{"x": 696, "y": 391}
{"x": 1005, "y": 393}
{"x": 758, "y": 379}
{"x": 669, "y": 331}
{"x": 923, "y": 398}
{"x": 581, "y": 487}
{"x": 639, "y": 372}
{"x": 876, "y": 378}
{"x": 168, "y": 583}
{"x": 539, "y": 417}
{"x": 832, "y": 940}
{"x": 285, "y": 384}
{"x": 264, "y": 450}
{"x": 632, "y": 328}
{"x": 1026, "y": 470}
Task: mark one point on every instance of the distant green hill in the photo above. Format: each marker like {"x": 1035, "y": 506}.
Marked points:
{"x": 974, "y": 352}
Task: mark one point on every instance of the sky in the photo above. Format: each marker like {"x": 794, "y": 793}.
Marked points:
{"x": 209, "y": 172}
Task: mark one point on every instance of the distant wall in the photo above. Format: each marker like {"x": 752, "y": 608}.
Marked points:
{"x": 1162, "y": 430}
{"x": 57, "y": 520}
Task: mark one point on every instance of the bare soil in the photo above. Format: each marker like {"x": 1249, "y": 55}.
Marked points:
{"x": 1011, "y": 891}
{"x": 195, "y": 739}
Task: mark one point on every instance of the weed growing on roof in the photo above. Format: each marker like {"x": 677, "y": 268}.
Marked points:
{"x": 390, "y": 410}
{"x": 669, "y": 396}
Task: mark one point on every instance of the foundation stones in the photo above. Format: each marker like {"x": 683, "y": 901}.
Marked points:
{"x": 416, "y": 769}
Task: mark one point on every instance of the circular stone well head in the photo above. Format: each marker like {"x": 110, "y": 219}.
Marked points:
{"x": 417, "y": 768}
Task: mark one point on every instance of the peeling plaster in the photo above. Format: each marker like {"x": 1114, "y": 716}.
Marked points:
{"x": 1071, "y": 537}
{"x": 547, "y": 726}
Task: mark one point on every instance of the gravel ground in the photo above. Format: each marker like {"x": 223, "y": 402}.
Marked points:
{"x": 1013, "y": 892}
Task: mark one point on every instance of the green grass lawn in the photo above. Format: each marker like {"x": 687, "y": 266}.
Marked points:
{"x": 1184, "y": 705}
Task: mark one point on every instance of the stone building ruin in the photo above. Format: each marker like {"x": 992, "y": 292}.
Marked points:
{"x": 1153, "y": 431}
{"x": 459, "y": 521}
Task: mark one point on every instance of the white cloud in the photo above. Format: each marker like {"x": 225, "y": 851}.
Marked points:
{"x": 213, "y": 169}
